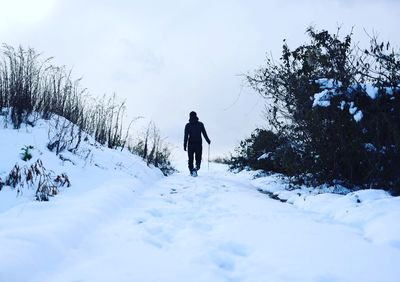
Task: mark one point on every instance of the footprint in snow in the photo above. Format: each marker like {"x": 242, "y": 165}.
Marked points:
{"x": 226, "y": 264}
{"x": 201, "y": 226}
{"x": 226, "y": 255}
{"x": 140, "y": 221}
{"x": 169, "y": 201}
{"x": 155, "y": 213}
{"x": 235, "y": 249}
{"x": 157, "y": 236}
{"x": 154, "y": 242}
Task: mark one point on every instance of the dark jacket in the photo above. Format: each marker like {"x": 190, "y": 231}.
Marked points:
{"x": 193, "y": 131}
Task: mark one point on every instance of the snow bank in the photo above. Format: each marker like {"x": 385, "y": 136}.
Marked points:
{"x": 36, "y": 236}
{"x": 374, "y": 212}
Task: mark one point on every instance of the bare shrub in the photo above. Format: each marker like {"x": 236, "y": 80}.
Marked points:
{"x": 19, "y": 82}
{"x": 63, "y": 135}
{"x": 32, "y": 88}
{"x": 36, "y": 175}
{"x": 153, "y": 149}
{"x": 106, "y": 122}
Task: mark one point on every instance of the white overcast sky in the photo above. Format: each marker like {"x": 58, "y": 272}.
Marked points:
{"x": 168, "y": 58}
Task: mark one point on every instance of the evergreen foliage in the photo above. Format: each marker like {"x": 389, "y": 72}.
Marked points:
{"x": 26, "y": 154}
{"x": 335, "y": 109}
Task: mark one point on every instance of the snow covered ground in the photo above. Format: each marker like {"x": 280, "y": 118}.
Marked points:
{"x": 123, "y": 221}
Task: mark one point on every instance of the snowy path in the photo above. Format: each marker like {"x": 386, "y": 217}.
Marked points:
{"x": 218, "y": 228}
{"x": 122, "y": 221}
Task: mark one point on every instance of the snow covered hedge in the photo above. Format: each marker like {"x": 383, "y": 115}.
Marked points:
{"x": 338, "y": 108}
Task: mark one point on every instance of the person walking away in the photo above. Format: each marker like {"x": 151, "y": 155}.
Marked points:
{"x": 193, "y": 142}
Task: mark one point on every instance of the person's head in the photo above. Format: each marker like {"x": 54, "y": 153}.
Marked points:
{"x": 193, "y": 116}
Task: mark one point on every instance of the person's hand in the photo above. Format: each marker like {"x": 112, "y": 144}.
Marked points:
{"x": 184, "y": 148}
{"x": 209, "y": 142}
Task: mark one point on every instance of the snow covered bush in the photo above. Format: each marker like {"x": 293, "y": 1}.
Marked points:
{"x": 338, "y": 108}
{"x": 259, "y": 151}
{"x": 36, "y": 176}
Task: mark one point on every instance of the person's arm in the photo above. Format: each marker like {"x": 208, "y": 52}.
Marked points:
{"x": 185, "y": 138}
{"x": 203, "y": 130}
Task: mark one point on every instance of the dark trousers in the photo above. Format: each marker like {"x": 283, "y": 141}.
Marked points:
{"x": 194, "y": 152}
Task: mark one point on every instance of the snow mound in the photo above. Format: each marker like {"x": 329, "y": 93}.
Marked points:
{"x": 373, "y": 212}
{"x": 35, "y": 236}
